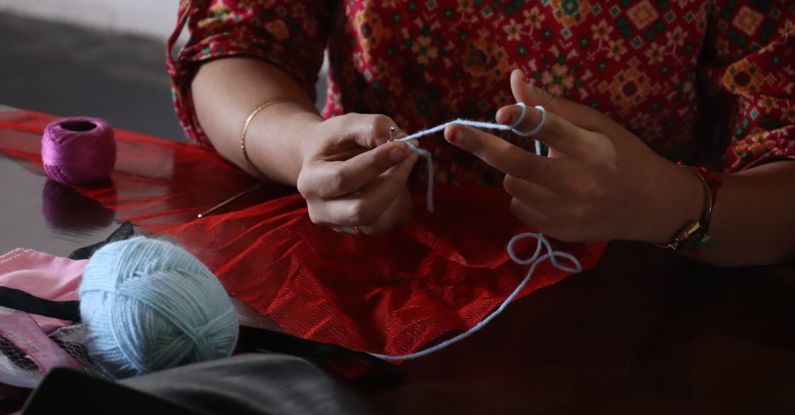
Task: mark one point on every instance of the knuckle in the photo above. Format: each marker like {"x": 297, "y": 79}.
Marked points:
{"x": 382, "y": 121}
{"x": 559, "y": 128}
{"x": 339, "y": 181}
{"x": 510, "y": 183}
{"x": 360, "y": 213}
{"x": 586, "y": 187}
{"x": 593, "y": 146}
{"x": 578, "y": 218}
{"x": 474, "y": 144}
{"x": 580, "y": 186}
{"x": 354, "y": 216}
{"x": 578, "y": 222}
{"x": 570, "y": 229}
{"x": 304, "y": 186}
{"x": 599, "y": 151}
{"x": 567, "y": 234}
{"x": 345, "y": 119}
{"x": 517, "y": 208}
{"x": 378, "y": 126}
{"x": 589, "y": 148}
{"x": 570, "y": 185}
{"x": 395, "y": 183}
{"x": 599, "y": 139}
{"x": 314, "y": 217}
{"x": 590, "y": 189}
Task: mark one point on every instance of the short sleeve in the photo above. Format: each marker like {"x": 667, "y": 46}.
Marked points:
{"x": 291, "y": 34}
{"x": 751, "y": 63}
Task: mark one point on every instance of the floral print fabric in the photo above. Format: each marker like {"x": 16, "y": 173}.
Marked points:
{"x": 693, "y": 79}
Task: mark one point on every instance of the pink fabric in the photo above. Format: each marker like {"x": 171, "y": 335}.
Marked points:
{"x": 21, "y": 329}
{"x": 42, "y": 275}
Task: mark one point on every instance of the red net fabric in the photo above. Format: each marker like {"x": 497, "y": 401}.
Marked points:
{"x": 391, "y": 294}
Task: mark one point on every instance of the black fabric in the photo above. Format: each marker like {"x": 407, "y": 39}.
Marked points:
{"x": 65, "y": 391}
{"x": 251, "y": 384}
{"x": 125, "y": 231}
{"x": 339, "y": 360}
{"x": 23, "y": 301}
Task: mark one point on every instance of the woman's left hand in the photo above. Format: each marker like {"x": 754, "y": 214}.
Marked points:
{"x": 600, "y": 181}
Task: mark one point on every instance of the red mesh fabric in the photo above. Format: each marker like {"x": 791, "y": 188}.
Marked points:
{"x": 390, "y": 294}
{"x": 155, "y": 181}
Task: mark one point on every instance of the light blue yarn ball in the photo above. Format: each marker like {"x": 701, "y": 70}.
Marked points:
{"x": 150, "y": 305}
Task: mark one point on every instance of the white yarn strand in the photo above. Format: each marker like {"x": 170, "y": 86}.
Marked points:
{"x": 429, "y": 162}
{"x": 534, "y": 260}
{"x": 489, "y": 125}
{"x": 477, "y": 124}
{"x": 544, "y": 250}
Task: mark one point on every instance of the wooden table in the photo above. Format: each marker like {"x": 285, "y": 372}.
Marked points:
{"x": 645, "y": 331}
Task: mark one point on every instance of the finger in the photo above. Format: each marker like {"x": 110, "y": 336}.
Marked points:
{"x": 529, "y": 215}
{"x": 501, "y": 154}
{"x": 372, "y": 130}
{"x": 334, "y": 179}
{"x": 363, "y": 208}
{"x": 350, "y": 230}
{"x": 394, "y": 216}
{"x": 377, "y": 197}
{"x": 555, "y": 131}
{"x": 354, "y": 230}
{"x": 402, "y": 171}
{"x": 581, "y": 115}
{"x": 541, "y": 197}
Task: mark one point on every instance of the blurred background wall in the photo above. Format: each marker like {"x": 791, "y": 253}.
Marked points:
{"x": 148, "y": 18}
{"x": 103, "y": 58}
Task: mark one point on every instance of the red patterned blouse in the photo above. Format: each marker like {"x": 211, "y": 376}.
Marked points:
{"x": 699, "y": 81}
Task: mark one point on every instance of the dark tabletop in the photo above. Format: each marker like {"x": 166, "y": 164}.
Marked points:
{"x": 646, "y": 331}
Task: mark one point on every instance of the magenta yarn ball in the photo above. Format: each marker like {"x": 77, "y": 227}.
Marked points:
{"x": 78, "y": 150}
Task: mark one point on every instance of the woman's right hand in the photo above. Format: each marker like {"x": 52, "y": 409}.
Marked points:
{"x": 352, "y": 178}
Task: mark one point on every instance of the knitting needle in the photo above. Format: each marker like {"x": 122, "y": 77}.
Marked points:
{"x": 230, "y": 200}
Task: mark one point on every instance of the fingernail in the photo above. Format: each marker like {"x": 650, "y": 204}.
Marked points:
{"x": 455, "y": 136}
{"x": 398, "y": 153}
{"x": 511, "y": 118}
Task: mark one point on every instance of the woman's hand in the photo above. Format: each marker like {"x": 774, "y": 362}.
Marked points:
{"x": 352, "y": 179}
{"x": 600, "y": 181}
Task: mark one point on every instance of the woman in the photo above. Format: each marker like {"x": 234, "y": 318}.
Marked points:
{"x": 629, "y": 89}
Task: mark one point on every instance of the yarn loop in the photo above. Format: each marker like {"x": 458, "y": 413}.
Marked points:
{"x": 543, "y": 252}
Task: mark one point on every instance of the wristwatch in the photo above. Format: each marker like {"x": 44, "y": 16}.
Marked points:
{"x": 692, "y": 234}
